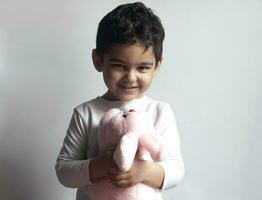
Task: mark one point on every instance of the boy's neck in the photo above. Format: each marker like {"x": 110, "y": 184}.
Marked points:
{"x": 107, "y": 97}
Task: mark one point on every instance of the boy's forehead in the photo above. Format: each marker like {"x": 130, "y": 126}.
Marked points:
{"x": 130, "y": 52}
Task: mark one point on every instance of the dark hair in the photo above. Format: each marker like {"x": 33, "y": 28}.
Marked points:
{"x": 128, "y": 24}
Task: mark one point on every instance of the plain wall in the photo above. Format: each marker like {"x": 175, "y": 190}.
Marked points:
{"x": 211, "y": 76}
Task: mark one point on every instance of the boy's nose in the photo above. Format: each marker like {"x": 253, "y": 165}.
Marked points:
{"x": 131, "y": 76}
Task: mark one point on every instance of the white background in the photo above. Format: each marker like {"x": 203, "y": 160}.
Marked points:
{"x": 211, "y": 76}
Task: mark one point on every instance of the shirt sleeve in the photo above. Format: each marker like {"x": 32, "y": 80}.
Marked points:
{"x": 172, "y": 162}
{"x": 72, "y": 165}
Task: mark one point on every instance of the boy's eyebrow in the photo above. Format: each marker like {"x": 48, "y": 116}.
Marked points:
{"x": 147, "y": 63}
{"x": 115, "y": 60}
{"x": 119, "y": 60}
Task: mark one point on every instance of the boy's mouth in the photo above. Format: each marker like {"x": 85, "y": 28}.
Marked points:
{"x": 128, "y": 87}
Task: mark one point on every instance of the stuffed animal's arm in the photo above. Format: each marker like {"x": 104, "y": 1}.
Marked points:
{"x": 126, "y": 150}
{"x": 152, "y": 143}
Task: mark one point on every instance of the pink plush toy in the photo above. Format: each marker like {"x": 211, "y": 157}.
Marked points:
{"x": 130, "y": 133}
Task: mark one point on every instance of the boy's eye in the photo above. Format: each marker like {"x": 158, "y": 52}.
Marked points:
{"x": 118, "y": 65}
{"x": 143, "y": 68}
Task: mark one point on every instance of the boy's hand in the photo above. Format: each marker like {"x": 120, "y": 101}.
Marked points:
{"x": 107, "y": 160}
{"x": 100, "y": 166}
{"x": 136, "y": 174}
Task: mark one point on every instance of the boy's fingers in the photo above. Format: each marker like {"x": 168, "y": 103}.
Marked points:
{"x": 121, "y": 183}
{"x": 116, "y": 171}
{"x": 116, "y": 176}
{"x": 119, "y": 177}
{"x": 114, "y": 168}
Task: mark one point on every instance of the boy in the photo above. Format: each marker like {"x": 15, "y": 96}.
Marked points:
{"x": 129, "y": 54}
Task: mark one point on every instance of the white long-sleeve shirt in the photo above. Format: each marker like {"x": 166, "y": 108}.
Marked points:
{"x": 80, "y": 143}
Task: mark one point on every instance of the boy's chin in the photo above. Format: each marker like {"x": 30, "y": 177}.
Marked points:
{"x": 109, "y": 96}
{"x": 121, "y": 97}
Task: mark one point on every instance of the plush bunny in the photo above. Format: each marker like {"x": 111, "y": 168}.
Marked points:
{"x": 131, "y": 133}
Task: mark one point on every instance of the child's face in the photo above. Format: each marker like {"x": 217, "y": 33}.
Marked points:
{"x": 127, "y": 71}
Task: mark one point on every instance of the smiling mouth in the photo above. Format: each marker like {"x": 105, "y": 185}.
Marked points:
{"x": 127, "y": 87}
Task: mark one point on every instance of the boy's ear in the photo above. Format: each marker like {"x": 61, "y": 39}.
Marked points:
{"x": 97, "y": 61}
{"x": 157, "y": 68}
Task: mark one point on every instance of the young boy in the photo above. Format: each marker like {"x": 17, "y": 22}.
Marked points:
{"x": 129, "y": 54}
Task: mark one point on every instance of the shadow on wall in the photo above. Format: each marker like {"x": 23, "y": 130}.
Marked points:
{"x": 18, "y": 176}
{"x": 17, "y": 180}
{"x": 34, "y": 116}
{"x": 28, "y": 150}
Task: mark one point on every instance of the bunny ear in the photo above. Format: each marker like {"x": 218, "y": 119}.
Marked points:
{"x": 103, "y": 126}
{"x": 106, "y": 118}
{"x": 109, "y": 115}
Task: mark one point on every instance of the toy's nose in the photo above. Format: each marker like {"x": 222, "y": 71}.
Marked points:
{"x": 125, "y": 113}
